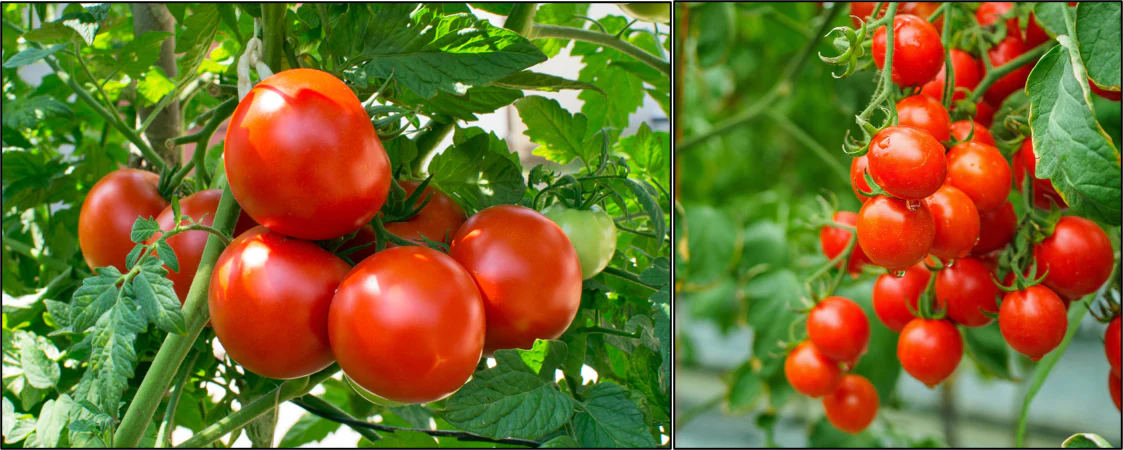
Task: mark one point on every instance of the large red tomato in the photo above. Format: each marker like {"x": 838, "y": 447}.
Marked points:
{"x": 981, "y": 172}
{"x": 303, "y": 158}
{"x": 1044, "y": 194}
{"x": 907, "y": 162}
{"x": 967, "y": 289}
{"x": 893, "y": 295}
{"x": 1111, "y": 345}
{"x": 918, "y": 53}
{"x": 892, "y": 235}
{"x": 957, "y": 222}
{"x": 1033, "y": 321}
{"x": 1009, "y": 48}
{"x": 810, "y": 372}
{"x": 853, "y": 406}
{"x": 996, "y": 229}
{"x": 407, "y": 324}
{"x": 437, "y": 221}
{"x": 269, "y": 300}
{"x": 961, "y": 128}
{"x": 1078, "y": 256}
{"x": 930, "y": 350}
{"x": 527, "y": 271}
{"x": 968, "y": 73}
{"x": 834, "y": 241}
{"x": 926, "y": 113}
{"x": 839, "y": 328}
{"x": 858, "y": 168}
{"x": 109, "y": 211}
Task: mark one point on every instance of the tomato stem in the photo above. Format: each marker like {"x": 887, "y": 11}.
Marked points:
{"x": 542, "y": 31}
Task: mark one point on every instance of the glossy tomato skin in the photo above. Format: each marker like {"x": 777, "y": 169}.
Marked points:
{"x": 853, "y": 406}
{"x": 839, "y": 328}
{"x": 981, "y": 172}
{"x": 592, "y": 232}
{"x": 302, "y": 156}
{"x": 1033, "y": 321}
{"x": 527, "y": 271}
{"x": 407, "y": 324}
{"x": 926, "y": 113}
{"x": 269, "y": 301}
{"x": 858, "y": 169}
{"x": 105, "y": 222}
{"x": 810, "y": 372}
{"x": 1114, "y": 386}
{"x": 1106, "y": 94}
{"x": 1044, "y": 194}
{"x": 907, "y": 162}
{"x": 960, "y": 129}
{"x": 893, "y": 295}
{"x": 967, "y": 289}
{"x": 834, "y": 241}
{"x": 188, "y": 246}
{"x": 984, "y": 113}
{"x": 930, "y": 350}
{"x": 918, "y": 53}
{"x": 996, "y": 229}
{"x": 1111, "y": 345}
{"x": 1009, "y": 48}
{"x": 891, "y": 235}
{"x": 1078, "y": 256}
{"x": 863, "y": 10}
{"x": 968, "y": 73}
{"x": 956, "y": 220}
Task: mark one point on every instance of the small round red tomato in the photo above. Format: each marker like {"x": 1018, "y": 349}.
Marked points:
{"x": 839, "y": 328}
{"x": 302, "y": 156}
{"x": 893, "y": 295}
{"x": 1009, "y": 48}
{"x": 1033, "y": 321}
{"x": 984, "y": 113}
{"x": 1109, "y": 95}
{"x": 960, "y": 129}
{"x": 930, "y": 350}
{"x": 923, "y": 10}
{"x": 892, "y": 235}
{"x": 407, "y": 324}
{"x": 918, "y": 53}
{"x": 853, "y": 406}
{"x": 858, "y": 168}
{"x": 957, "y": 222}
{"x": 907, "y": 162}
{"x": 996, "y": 229}
{"x": 269, "y": 301}
{"x": 1044, "y": 194}
{"x": 105, "y": 222}
{"x": 967, "y": 289}
{"x": 188, "y": 246}
{"x": 968, "y": 73}
{"x": 437, "y": 221}
{"x": 981, "y": 172}
{"x": 926, "y": 113}
{"x": 811, "y": 373}
{"x": 834, "y": 241}
{"x": 990, "y": 13}
{"x": 1078, "y": 256}
{"x": 1114, "y": 385}
{"x": 863, "y": 10}
{"x": 1111, "y": 345}
{"x": 527, "y": 271}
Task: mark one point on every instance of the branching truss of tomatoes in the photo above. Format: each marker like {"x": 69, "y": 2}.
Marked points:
{"x": 935, "y": 213}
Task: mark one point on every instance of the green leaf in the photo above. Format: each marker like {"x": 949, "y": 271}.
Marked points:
{"x": 113, "y": 356}
{"x": 771, "y": 297}
{"x": 307, "y": 429}
{"x": 479, "y": 172}
{"x": 559, "y": 134}
{"x": 498, "y": 8}
{"x": 138, "y": 56}
{"x": 97, "y": 294}
{"x": 154, "y": 85}
{"x": 745, "y": 387}
{"x": 194, "y": 41}
{"x": 157, "y": 298}
{"x": 543, "y": 358}
{"x": 53, "y": 418}
{"x": 609, "y": 419}
{"x": 563, "y": 441}
{"x": 715, "y": 25}
{"x": 30, "y": 112}
{"x": 647, "y": 153}
{"x": 1098, "y": 28}
{"x": 528, "y": 80}
{"x": 1086, "y": 440}
{"x": 708, "y": 234}
{"x": 39, "y": 369}
{"x": 405, "y": 439}
{"x": 988, "y": 348}
{"x": 401, "y": 153}
{"x": 53, "y": 32}
{"x": 167, "y": 255}
{"x": 30, "y": 55}
{"x": 477, "y": 100}
{"x": 643, "y": 377}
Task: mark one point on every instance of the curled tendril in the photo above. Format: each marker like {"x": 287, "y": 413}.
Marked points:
{"x": 849, "y": 42}
{"x": 859, "y": 146}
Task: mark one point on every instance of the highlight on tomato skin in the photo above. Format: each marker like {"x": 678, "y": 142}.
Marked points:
{"x": 109, "y": 211}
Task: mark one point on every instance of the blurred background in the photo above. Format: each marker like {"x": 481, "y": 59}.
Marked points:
{"x": 744, "y": 195}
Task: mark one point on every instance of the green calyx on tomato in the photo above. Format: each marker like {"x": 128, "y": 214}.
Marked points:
{"x": 592, "y": 232}
{"x": 648, "y": 12}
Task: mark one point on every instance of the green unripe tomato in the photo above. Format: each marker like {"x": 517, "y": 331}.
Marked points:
{"x": 592, "y": 233}
{"x": 648, "y": 12}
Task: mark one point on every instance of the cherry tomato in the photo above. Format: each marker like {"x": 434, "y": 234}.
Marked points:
{"x": 407, "y": 324}
{"x": 1009, "y": 48}
{"x": 105, "y": 222}
{"x": 956, "y": 220}
{"x": 1044, "y": 194}
{"x": 967, "y": 289}
{"x": 926, "y": 113}
{"x": 302, "y": 156}
{"x": 810, "y": 373}
{"x": 923, "y": 10}
{"x": 527, "y": 271}
{"x": 984, "y": 113}
{"x": 893, "y": 295}
{"x": 907, "y": 162}
{"x": 1113, "y": 385}
{"x": 853, "y": 406}
{"x": 968, "y": 73}
{"x": 990, "y": 13}
{"x": 918, "y": 53}
{"x": 188, "y": 246}
{"x": 1109, "y": 95}
{"x": 981, "y": 172}
{"x": 1078, "y": 256}
{"x": 863, "y": 10}
{"x": 891, "y": 235}
{"x": 930, "y": 350}
{"x": 269, "y": 300}
{"x": 961, "y": 128}
{"x": 996, "y": 229}
{"x": 834, "y": 241}
{"x": 592, "y": 232}
{"x": 1033, "y": 321}
{"x": 839, "y": 329}
{"x": 858, "y": 168}
{"x": 1111, "y": 345}
{"x": 437, "y": 221}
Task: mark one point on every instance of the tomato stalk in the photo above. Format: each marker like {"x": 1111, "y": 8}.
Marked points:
{"x": 998, "y": 72}
{"x": 521, "y": 18}
{"x": 542, "y": 31}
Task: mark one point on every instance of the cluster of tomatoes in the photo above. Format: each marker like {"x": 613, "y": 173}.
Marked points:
{"x": 408, "y": 324}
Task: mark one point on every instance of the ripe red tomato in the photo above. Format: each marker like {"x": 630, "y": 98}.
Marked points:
{"x": 437, "y": 221}
{"x": 891, "y": 235}
{"x": 527, "y": 271}
{"x": 407, "y": 324}
{"x": 834, "y": 241}
{"x": 961, "y": 128}
{"x": 907, "y": 162}
{"x": 863, "y": 11}
{"x": 810, "y": 372}
{"x": 957, "y": 222}
{"x": 858, "y": 168}
{"x": 1009, "y": 48}
{"x": 968, "y": 73}
{"x": 1033, "y": 321}
{"x": 981, "y": 172}
{"x": 996, "y": 229}
{"x": 1078, "y": 256}
{"x": 1109, "y": 95}
{"x": 269, "y": 300}
{"x": 893, "y": 295}
{"x": 967, "y": 289}
{"x": 302, "y": 156}
{"x": 839, "y": 329}
{"x": 1044, "y": 194}
{"x": 1111, "y": 345}
{"x": 918, "y": 53}
{"x": 923, "y": 10}
{"x": 989, "y": 13}
{"x": 984, "y": 113}
{"x": 1113, "y": 385}
{"x": 105, "y": 222}
{"x": 926, "y": 113}
{"x": 853, "y": 406}
{"x": 188, "y": 246}
{"x": 930, "y": 350}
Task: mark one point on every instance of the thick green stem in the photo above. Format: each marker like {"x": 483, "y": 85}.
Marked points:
{"x": 627, "y": 276}
{"x": 521, "y": 18}
{"x": 311, "y": 401}
{"x": 998, "y": 72}
{"x": 30, "y": 252}
{"x": 427, "y": 141}
{"x": 273, "y": 34}
{"x": 540, "y": 31}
